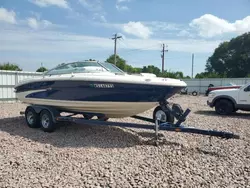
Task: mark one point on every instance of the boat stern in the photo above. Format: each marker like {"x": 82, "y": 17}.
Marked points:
{"x": 174, "y": 82}
{"x": 169, "y": 87}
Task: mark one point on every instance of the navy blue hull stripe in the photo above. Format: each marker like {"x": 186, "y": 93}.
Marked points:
{"x": 98, "y": 91}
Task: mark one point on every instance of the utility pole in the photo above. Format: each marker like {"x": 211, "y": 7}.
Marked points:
{"x": 192, "y": 65}
{"x": 115, "y": 39}
{"x": 162, "y": 56}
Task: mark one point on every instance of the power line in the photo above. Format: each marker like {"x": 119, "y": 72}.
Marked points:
{"x": 115, "y": 40}
{"x": 136, "y": 49}
{"x": 122, "y": 43}
{"x": 162, "y": 56}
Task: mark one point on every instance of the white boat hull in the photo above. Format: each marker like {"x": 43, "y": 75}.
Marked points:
{"x": 116, "y": 96}
{"x": 110, "y": 109}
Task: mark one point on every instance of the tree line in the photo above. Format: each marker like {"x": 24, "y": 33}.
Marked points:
{"x": 121, "y": 63}
{"x": 230, "y": 59}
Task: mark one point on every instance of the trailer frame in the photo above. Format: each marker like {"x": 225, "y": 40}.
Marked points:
{"x": 50, "y": 116}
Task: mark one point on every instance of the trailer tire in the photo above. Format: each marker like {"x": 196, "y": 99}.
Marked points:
{"x": 32, "y": 118}
{"x": 167, "y": 116}
{"x": 102, "y": 118}
{"x": 87, "y": 116}
{"x": 46, "y": 121}
{"x": 224, "y": 107}
{"x": 235, "y": 110}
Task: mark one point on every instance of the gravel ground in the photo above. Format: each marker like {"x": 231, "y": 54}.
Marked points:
{"x": 92, "y": 156}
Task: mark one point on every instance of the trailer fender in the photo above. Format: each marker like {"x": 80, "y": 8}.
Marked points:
{"x": 54, "y": 113}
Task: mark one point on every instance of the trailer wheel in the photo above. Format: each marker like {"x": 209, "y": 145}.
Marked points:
{"x": 235, "y": 110}
{"x": 87, "y": 116}
{"x": 224, "y": 107}
{"x": 32, "y": 118}
{"x": 46, "y": 121}
{"x": 102, "y": 118}
{"x": 165, "y": 116}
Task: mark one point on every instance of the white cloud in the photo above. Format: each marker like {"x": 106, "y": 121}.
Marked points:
{"x": 109, "y": 25}
{"x": 50, "y": 41}
{"x": 184, "y": 33}
{"x": 95, "y": 7}
{"x": 155, "y": 28}
{"x": 32, "y": 22}
{"x": 120, "y": 1}
{"x": 37, "y": 24}
{"x": 42, "y": 41}
{"x": 7, "y": 16}
{"x": 163, "y": 26}
{"x": 209, "y": 25}
{"x": 46, "y": 3}
{"x": 186, "y": 45}
{"x": 91, "y": 5}
{"x": 242, "y": 25}
{"x": 99, "y": 18}
{"x": 103, "y": 19}
{"x": 35, "y": 14}
{"x": 137, "y": 29}
{"x": 121, "y": 7}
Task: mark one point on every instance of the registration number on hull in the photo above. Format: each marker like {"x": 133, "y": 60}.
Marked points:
{"x": 102, "y": 85}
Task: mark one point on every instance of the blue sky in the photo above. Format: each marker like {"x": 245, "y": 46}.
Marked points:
{"x": 55, "y": 31}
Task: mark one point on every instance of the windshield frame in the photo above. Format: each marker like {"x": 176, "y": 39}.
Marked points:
{"x": 101, "y": 64}
{"x": 112, "y": 65}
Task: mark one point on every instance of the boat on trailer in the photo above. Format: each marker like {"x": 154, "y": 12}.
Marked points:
{"x": 97, "y": 87}
{"x": 103, "y": 90}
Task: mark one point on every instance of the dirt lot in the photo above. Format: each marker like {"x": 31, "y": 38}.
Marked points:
{"x": 92, "y": 156}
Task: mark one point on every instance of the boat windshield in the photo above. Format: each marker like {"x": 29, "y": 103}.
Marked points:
{"x": 84, "y": 67}
{"x": 111, "y": 67}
